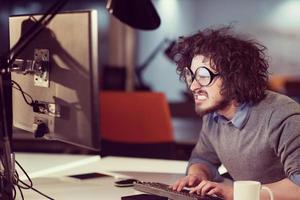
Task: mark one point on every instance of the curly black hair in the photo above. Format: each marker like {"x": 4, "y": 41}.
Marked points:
{"x": 242, "y": 63}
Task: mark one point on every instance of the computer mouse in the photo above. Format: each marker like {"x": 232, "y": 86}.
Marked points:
{"x": 127, "y": 182}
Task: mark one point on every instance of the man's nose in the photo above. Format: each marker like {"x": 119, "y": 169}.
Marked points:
{"x": 194, "y": 85}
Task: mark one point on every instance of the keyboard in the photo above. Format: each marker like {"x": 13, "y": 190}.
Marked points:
{"x": 161, "y": 189}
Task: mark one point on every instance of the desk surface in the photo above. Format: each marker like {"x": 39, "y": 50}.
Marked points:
{"x": 56, "y": 165}
{"x": 50, "y": 171}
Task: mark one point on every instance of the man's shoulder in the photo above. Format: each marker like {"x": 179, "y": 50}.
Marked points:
{"x": 274, "y": 99}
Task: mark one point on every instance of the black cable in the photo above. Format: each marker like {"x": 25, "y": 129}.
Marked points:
{"x": 21, "y": 192}
{"x": 27, "y": 176}
{"x": 15, "y": 193}
{"x": 32, "y": 188}
{"x": 10, "y": 58}
{"x": 17, "y": 182}
{"x": 23, "y": 93}
{"x": 6, "y": 151}
{"x": 31, "y": 184}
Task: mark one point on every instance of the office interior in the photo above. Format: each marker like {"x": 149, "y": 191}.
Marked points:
{"x": 123, "y": 50}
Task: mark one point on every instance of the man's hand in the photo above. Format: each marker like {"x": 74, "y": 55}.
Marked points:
{"x": 187, "y": 181}
{"x": 196, "y": 173}
{"x": 212, "y": 188}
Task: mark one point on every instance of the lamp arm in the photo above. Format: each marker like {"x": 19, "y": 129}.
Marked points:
{"x": 29, "y": 35}
{"x": 6, "y": 155}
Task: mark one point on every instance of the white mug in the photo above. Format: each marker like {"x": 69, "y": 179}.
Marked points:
{"x": 249, "y": 190}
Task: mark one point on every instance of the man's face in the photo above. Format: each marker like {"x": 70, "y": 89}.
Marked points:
{"x": 207, "y": 98}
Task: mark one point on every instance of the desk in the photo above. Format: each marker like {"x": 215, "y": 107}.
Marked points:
{"x": 50, "y": 171}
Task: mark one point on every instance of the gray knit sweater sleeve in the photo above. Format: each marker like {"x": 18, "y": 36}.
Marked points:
{"x": 284, "y": 139}
{"x": 204, "y": 153}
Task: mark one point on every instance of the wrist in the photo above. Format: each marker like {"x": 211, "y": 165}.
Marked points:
{"x": 199, "y": 175}
{"x": 199, "y": 170}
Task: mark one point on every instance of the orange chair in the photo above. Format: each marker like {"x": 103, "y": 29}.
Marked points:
{"x": 136, "y": 124}
{"x": 286, "y": 84}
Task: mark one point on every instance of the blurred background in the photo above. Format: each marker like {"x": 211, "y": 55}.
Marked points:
{"x": 135, "y": 60}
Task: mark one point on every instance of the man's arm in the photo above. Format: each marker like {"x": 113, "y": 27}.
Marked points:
{"x": 284, "y": 139}
{"x": 284, "y": 189}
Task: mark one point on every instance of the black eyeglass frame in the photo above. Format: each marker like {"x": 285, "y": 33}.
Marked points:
{"x": 193, "y": 76}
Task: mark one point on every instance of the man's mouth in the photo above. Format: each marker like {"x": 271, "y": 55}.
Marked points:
{"x": 200, "y": 96}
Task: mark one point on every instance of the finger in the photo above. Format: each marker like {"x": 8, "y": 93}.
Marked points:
{"x": 175, "y": 185}
{"x": 198, "y": 188}
{"x": 192, "y": 190}
{"x": 181, "y": 185}
{"x": 192, "y": 181}
{"x": 207, "y": 187}
{"x": 214, "y": 191}
{"x": 178, "y": 184}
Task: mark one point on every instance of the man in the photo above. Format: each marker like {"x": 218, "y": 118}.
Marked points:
{"x": 253, "y": 132}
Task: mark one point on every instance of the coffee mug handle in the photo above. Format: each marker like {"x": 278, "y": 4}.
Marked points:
{"x": 269, "y": 191}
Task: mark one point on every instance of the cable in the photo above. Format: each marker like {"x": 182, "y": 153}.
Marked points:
{"x": 15, "y": 193}
{"x": 27, "y": 176}
{"x": 23, "y": 93}
{"x": 21, "y": 192}
{"x": 17, "y": 180}
{"x": 28, "y": 186}
{"x": 32, "y": 188}
{"x": 4, "y": 129}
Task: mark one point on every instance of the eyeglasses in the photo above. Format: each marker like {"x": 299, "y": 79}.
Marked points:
{"x": 202, "y": 75}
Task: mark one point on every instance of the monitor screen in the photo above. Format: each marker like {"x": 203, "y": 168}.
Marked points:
{"x": 58, "y": 71}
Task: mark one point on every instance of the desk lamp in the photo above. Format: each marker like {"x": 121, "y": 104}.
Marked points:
{"x": 139, "y": 14}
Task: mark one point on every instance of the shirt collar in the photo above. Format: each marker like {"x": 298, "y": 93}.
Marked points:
{"x": 240, "y": 118}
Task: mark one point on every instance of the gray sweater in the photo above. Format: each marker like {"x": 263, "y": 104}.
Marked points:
{"x": 265, "y": 149}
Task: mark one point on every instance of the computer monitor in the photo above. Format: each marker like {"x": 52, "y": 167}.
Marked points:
{"x": 59, "y": 71}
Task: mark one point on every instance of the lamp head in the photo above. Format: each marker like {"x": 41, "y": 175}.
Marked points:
{"x": 139, "y": 14}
